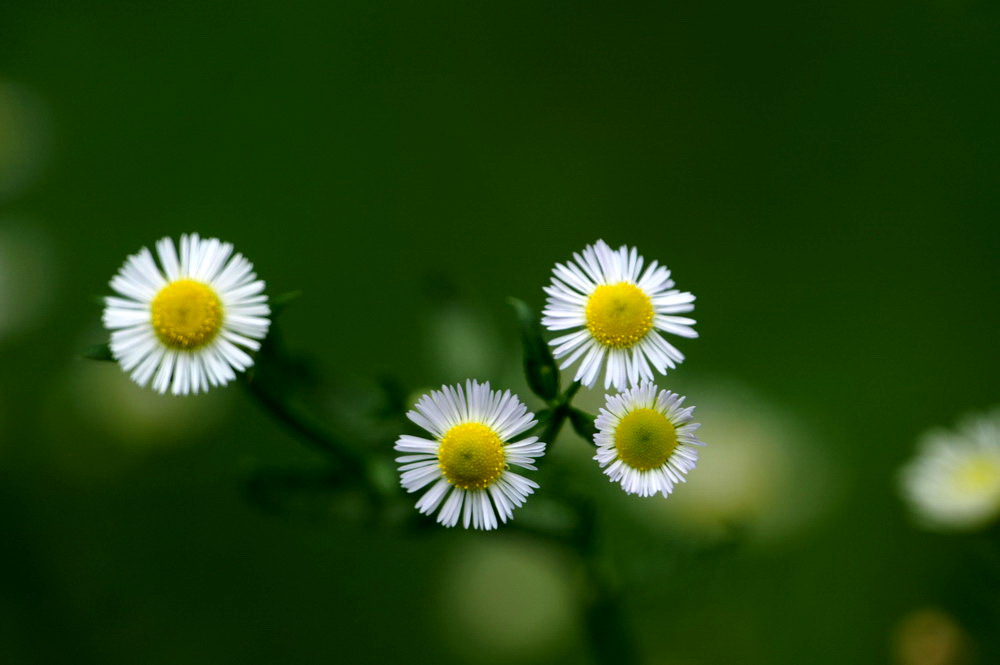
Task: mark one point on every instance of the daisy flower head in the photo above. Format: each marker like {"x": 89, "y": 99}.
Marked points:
{"x": 645, "y": 440}
{"x": 953, "y": 483}
{"x": 185, "y": 323}
{"x": 616, "y": 312}
{"x": 467, "y": 463}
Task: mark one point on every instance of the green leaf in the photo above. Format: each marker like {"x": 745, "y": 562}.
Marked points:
{"x": 280, "y": 302}
{"x": 98, "y": 352}
{"x": 583, "y": 423}
{"x": 539, "y": 366}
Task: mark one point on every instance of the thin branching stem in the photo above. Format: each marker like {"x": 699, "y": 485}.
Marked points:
{"x": 309, "y": 430}
{"x": 602, "y": 612}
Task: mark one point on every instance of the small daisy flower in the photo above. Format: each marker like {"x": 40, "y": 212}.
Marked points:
{"x": 470, "y": 457}
{"x": 954, "y": 481}
{"x": 616, "y": 311}
{"x": 645, "y": 440}
{"x": 184, "y": 323}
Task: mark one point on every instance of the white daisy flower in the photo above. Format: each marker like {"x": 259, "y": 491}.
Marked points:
{"x": 184, "y": 324}
{"x": 954, "y": 481}
{"x": 616, "y": 310}
{"x": 470, "y": 456}
{"x": 645, "y": 440}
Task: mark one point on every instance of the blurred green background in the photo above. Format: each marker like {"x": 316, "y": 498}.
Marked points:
{"x": 822, "y": 176}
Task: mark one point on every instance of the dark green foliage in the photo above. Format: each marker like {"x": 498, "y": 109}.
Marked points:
{"x": 539, "y": 366}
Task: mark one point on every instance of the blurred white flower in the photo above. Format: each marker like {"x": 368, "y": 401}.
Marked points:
{"x": 929, "y": 636}
{"x": 97, "y": 424}
{"x": 764, "y": 473}
{"x": 106, "y": 400}
{"x": 508, "y": 600}
{"x": 471, "y": 455}
{"x": 461, "y": 341}
{"x": 645, "y": 440}
{"x": 616, "y": 311}
{"x": 27, "y": 271}
{"x": 954, "y": 481}
{"x": 182, "y": 323}
{"x": 25, "y": 137}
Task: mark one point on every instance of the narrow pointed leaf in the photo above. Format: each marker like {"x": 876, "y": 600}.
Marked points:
{"x": 583, "y": 423}
{"x": 98, "y": 352}
{"x": 539, "y": 366}
{"x": 280, "y": 302}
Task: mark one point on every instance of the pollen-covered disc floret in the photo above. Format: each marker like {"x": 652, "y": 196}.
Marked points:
{"x": 616, "y": 311}
{"x": 645, "y": 440}
{"x": 468, "y": 463}
{"x": 471, "y": 456}
{"x": 183, "y": 323}
{"x": 954, "y": 481}
{"x": 186, "y": 314}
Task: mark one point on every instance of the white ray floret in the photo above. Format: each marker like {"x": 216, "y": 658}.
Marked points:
{"x": 953, "y": 483}
{"x": 468, "y": 462}
{"x": 184, "y": 323}
{"x": 645, "y": 440}
{"x": 616, "y": 312}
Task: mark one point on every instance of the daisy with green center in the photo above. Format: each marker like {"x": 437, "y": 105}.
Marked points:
{"x": 954, "y": 481}
{"x": 469, "y": 459}
{"x": 645, "y": 440}
{"x": 185, "y": 323}
{"x": 617, "y": 312}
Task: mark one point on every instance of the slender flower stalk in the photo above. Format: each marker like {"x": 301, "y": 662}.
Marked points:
{"x": 195, "y": 317}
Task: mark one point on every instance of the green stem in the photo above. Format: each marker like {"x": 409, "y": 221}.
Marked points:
{"x": 552, "y": 428}
{"x": 570, "y": 393}
{"x": 309, "y": 430}
{"x": 551, "y": 424}
{"x": 603, "y": 613}
{"x": 552, "y": 419}
{"x": 604, "y": 621}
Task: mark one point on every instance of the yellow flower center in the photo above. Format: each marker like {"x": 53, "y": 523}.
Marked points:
{"x": 186, "y": 314}
{"x": 978, "y": 475}
{"x": 645, "y": 438}
{"x": 619, "y": 315}
{"x": 471, "y": 456}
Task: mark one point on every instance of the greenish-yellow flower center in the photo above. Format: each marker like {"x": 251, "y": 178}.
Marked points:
{"x": 645, "y": 439}
{"x": 619, "y": 315}
{"x": 978, "y": 475}
{"x": 186, "y": 314}
{"x": 471, "y": 456}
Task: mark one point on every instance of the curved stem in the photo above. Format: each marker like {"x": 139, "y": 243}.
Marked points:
{"x": 604, "y": 622}
{"x": 308, "y": 429}
{"x": 570, "y": 393}
{"x": 603, "y": 613}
